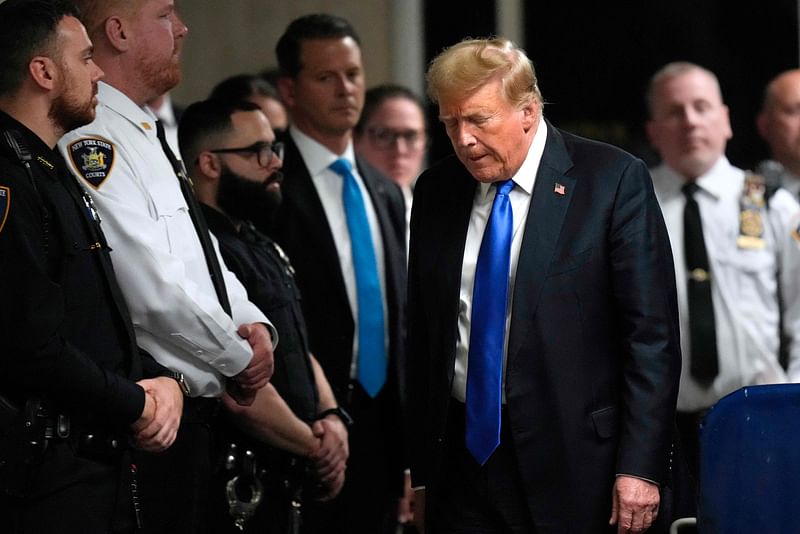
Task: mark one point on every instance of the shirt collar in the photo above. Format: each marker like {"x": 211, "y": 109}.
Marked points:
{"x": 714, "y": 182}
{"x": 526, "y": 175}
{"x": 165, "y": 113}
{"x": 116, "y": 100}
{"x": 316, "y": 156}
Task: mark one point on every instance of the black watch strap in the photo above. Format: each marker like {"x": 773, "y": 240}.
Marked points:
{"x": 180, "y": 379}
{"x": 339, "y": 412}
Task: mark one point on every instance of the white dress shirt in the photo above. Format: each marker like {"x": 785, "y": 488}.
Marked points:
{"x": 156, "y": 252}
{"x": 520, "y": 197}
{"x": 743, "y": 287}
{"x": 329, "y": 187}
{"x": 166, "y": 114}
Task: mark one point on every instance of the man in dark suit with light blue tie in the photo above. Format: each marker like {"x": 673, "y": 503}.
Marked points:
{"x": 543, "y": 337}
{"x": 343, "y": 225}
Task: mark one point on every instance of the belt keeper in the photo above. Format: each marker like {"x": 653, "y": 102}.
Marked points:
{"x": 62, "y": 426}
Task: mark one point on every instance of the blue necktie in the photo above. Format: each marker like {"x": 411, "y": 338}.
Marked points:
{"x": 371, "y": 345}
{"x": 487, "y": 329}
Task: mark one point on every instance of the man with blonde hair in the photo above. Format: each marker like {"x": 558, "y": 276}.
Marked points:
{"x": 543, "y": 337}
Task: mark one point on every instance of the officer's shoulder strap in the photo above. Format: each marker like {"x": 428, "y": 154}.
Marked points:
{"x": 16, "y": 143}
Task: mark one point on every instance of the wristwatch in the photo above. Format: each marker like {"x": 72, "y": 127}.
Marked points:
{"x": 178, "y": 377}
{"x": 338, "y": 412}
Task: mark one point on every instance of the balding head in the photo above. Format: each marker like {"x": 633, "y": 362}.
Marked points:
{"x": 689, "y": 124}
{"x": 779, "y": 120}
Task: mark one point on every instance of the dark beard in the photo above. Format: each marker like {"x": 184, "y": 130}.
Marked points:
{"x": 246, "y": 200}
{"x": 68, "y": 115}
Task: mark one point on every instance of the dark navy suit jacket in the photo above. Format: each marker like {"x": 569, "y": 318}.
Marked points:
{"x": 593, "y": 350}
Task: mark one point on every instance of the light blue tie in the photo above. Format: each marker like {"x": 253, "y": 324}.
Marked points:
{"x": 371, "y": 345}
{"x": 487, "y": 329}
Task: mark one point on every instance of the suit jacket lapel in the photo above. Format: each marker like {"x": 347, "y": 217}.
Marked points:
{"x": 542, "y": 229}
{"x": 376, "y": 187}
{"x": 451, "y": 258}
{"x": 309, "y": 208}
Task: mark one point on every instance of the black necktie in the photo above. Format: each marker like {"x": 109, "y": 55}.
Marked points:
{"x": 703, "y": 359}
{"x": 214, "y": 270}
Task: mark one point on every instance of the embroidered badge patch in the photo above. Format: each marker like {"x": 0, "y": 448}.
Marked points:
{"x": 93, "y": 158}
{"x": 5, "y": 204}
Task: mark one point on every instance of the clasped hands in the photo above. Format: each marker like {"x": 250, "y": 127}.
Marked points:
{"x": 329, "y": 458}
{"x": 157, "y": 427}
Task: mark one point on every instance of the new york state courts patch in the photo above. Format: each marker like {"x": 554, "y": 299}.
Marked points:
{"x": 93, "y": 158}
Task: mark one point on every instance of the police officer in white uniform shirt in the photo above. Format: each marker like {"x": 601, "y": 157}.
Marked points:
{"x": 750, "y": 237}
{"x": 164, "y": 269}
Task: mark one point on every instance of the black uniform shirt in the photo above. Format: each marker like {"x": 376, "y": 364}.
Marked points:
{"x": 65, "y": 333}
{"x": 267, "y": 275}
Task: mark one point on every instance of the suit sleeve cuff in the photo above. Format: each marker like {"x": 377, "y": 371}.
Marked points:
{"x": 640, "y": 478}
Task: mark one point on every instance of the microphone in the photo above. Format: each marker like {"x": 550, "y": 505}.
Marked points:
{"x": 773, "y": 172}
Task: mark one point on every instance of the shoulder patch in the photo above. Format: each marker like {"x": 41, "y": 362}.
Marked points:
{"x": 5, "y": 205}
{"x": 93, "y": 158}
{"x": 795, "y": 232}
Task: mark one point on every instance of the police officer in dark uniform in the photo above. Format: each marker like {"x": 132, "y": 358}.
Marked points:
{"x": 71, "y": 388}
{"x": 235, "y": 170}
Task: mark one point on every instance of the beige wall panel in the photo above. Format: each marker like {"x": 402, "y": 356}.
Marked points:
{"x": 229, "y": 37}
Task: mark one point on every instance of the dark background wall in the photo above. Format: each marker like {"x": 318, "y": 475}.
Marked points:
{"x": 594, "y": 59}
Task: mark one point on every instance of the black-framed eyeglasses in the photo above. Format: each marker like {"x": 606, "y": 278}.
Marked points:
{"x": 385, "y": 138}
{"x": 264, "y": 151}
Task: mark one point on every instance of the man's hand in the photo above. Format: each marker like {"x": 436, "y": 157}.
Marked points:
{"x": 405, "y": 506}
{"x": 258, "y": 372}
{"x": 148, "y": 413}
{"x": 634, "y": 504}
{"x": 332, "y": 487}
{"x": 160, "y": 431}
{"x": 331, "y": 458}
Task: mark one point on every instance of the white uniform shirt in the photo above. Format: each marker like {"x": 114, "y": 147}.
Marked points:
{"x": 520, "y": 197}
{"x": 166, "y": 114}
{"x": 744, "y": 288}
{"x": 155, "y": 249}
{"x": 329, "y": 187}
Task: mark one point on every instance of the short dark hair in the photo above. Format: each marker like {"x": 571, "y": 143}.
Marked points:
{"x": 27, "y": 29}
{"x": 307, "y": 28}
{"x": 379, "y": 94}
{"x": 242, "y": 87}
{"x": 204, "y": 120}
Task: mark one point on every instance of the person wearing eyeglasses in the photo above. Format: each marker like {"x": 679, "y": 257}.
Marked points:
{"x": 190, "y": 313}
{"x": 295, "y": 427}
{"x": 343, "y": 224}
{"x": 391, "y": 135}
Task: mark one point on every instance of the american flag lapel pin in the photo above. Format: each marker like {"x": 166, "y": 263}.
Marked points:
{"x": 559, "y": 189}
